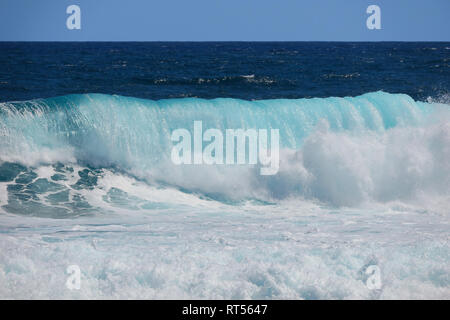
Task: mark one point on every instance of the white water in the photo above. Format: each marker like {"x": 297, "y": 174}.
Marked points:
{"x": 205, "y": 249}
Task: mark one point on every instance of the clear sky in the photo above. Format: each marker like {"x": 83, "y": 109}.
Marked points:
{"x": 224, "y": 20}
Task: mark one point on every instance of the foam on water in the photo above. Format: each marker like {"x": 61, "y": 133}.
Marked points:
{"x": 292, "y": 250}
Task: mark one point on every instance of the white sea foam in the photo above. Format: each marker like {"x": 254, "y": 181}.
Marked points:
{"x": 293, "y": 250}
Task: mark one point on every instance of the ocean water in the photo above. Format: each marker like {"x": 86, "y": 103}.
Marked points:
{"x": 86, "y": 177}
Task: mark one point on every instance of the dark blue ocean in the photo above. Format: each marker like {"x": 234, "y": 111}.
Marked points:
{"x": 245, "y": 70}
{"x": 356, "y": 206}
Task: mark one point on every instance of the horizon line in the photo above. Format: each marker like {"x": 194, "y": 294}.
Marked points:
{"x": 210, "y": 41}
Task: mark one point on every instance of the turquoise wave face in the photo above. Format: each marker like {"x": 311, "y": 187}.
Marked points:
{"x": 104, "y": 130}
{"x": 378, "y": 147}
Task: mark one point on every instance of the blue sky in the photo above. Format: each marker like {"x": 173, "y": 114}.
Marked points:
{"x": 224, "y": 20}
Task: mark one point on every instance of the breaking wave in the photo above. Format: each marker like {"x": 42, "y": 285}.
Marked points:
{"x": 374, "y": 148}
